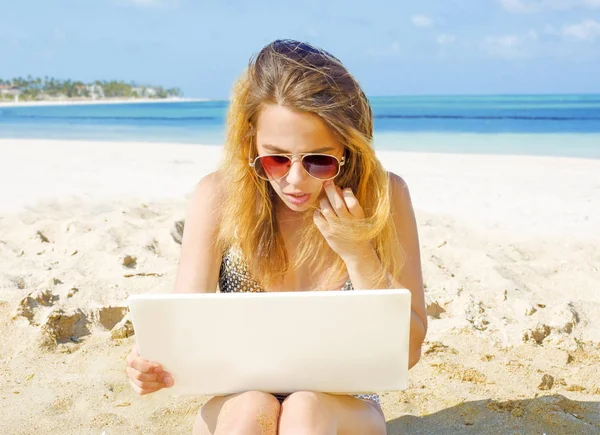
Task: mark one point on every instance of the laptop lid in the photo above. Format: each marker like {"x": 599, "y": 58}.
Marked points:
{"x": 348, "y": 342}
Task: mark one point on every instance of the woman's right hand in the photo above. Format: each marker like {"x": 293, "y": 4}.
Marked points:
{"x": 146, "y": 377}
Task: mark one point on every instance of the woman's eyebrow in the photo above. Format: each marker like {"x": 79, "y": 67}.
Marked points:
{"x": 276, "y": 149}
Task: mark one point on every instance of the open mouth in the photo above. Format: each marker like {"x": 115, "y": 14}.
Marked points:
{"x": 298, "y": 198}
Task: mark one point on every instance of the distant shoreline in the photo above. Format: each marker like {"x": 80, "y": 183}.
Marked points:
{"x": 73, "y": 102}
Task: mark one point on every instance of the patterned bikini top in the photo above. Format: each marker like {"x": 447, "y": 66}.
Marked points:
{"x": 234, "y": 275}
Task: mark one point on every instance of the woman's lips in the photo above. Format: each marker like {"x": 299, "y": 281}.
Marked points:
{"x": 298, "y": 199}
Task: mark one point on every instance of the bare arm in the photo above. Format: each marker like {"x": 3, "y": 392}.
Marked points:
{"x": 199, "y": 262}
{"x": 197, "y": 273}
{"x": 361, "y": 269}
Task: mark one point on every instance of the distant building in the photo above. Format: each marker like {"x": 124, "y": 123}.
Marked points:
{"x": 81, "y": 90}
{"x": 96, "y": 91}
{"x": 144, "y": 92}
{"x": 8, "y": 90}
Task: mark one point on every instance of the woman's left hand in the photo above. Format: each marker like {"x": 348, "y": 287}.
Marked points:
{"x": 343, "y": 205}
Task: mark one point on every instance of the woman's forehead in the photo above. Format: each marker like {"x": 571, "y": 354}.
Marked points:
{"x": 280, "y": 129}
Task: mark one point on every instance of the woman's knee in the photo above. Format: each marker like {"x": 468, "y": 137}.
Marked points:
{"x": 307, "y": 412}
{"x": 252, "y": 412}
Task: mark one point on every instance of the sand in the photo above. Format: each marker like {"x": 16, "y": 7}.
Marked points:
{"x": 511, "y": 258}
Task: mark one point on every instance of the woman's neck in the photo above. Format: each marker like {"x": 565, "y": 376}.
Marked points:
{"x": 288, "y": 218}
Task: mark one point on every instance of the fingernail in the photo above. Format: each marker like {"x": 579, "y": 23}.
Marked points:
{"x": 168, "y": 381}
{"x": 157, "y": 370}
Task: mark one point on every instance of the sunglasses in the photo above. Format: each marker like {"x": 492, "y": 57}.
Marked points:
{"x": 276, "y": 166}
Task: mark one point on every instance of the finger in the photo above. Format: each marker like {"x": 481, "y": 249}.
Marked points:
{"x": 134, "y": 355}
{"x": 142, "y": 365}
{"x": 141, "y": 391}
{"x": 148, "y": 385}
{"x": 326, "y": 210}
{"x": 166, "y": 379}
{"x": 352, "y": 203}
{"x": 320, "y": 222}
{"x": 335, "y": 199}
{"x": 144, "y": 377}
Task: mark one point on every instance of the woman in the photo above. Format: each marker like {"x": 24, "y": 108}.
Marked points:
{"x": 300, "y": 202}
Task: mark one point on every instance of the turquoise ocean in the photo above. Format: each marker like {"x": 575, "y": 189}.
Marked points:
{"x": 552, "y": 125}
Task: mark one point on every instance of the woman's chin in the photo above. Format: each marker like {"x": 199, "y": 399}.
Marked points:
{"x": 298, "y": 208}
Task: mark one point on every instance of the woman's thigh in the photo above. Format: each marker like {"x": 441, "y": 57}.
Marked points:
{"x": 252, "y": 412}
{"x": 320, "y": 413}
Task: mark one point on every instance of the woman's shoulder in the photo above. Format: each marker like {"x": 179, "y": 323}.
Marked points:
{"x": 209, "y": 189}
{"x": 397, "y": 183}
{"x": 401, "y": 201}
{"x": 211, "y": 182}
{"x": 206, "y": 199}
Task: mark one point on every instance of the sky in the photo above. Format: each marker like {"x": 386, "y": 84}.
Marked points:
{"x": 394, "y": 47}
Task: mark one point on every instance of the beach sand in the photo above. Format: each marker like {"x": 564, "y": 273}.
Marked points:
{"x": 511, "y": 259}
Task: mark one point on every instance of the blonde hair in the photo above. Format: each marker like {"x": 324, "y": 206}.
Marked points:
{"x": 307, "y": 79}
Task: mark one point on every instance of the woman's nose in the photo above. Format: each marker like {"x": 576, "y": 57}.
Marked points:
{"x": 297, "y": 173}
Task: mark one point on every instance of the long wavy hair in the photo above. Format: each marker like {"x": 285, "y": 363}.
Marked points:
{"x": 304, "y": 78}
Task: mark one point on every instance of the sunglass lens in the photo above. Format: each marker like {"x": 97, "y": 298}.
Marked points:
{"x": 272, "y": 167}
{"x": 321, "y": 166}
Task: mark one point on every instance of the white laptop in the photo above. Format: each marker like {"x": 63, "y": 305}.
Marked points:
{"x": 348, "y": 342}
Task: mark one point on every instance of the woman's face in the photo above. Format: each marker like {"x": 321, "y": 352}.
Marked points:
{"x": 283, "y": 131}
